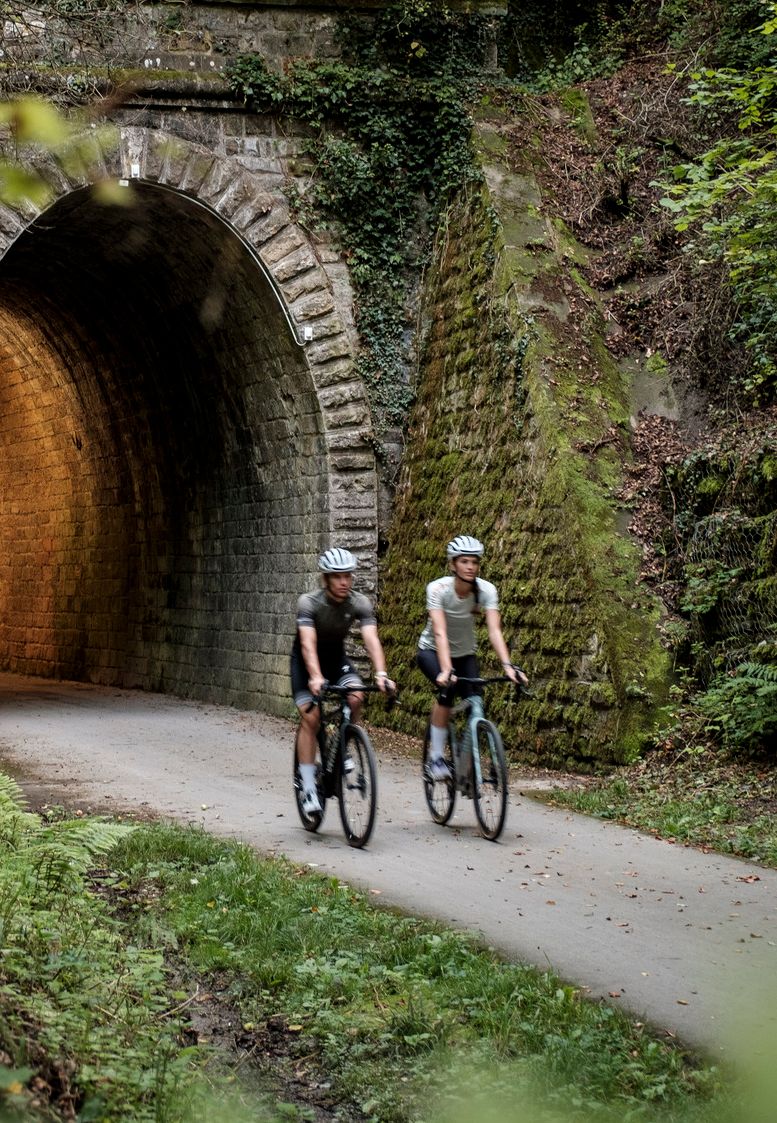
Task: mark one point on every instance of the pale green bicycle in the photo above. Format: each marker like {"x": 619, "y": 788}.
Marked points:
{"x": 475, "y": 758}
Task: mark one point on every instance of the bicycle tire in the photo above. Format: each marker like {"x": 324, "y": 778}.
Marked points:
{"x": 309, "y": 822}
{"x": 440, "y": 794}
{"x": 357, "y": 788}
{"x": 490, "y": 796}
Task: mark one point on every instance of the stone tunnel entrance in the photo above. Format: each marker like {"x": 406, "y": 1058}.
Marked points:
{"x": 163, "y": 453}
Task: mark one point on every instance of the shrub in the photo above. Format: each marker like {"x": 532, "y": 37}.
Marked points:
{"x": 742, "y": 707}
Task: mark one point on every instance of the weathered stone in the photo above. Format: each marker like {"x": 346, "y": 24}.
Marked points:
{"x": 313, "y": 305}
{"x": 336, "y": 347}
{"x": 281, "y": 244}
{"x": 300, "y": 260}
{"x": 267, "y": 225}
{"x": 341, "y": 394}
{"x": 333, "y": 373}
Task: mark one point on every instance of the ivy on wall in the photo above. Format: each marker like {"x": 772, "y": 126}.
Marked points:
{"x": 391, "y": 141}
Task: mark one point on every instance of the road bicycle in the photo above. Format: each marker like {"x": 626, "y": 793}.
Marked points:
{"x": 476, "y": 762}
{"x": 345, "y": 765}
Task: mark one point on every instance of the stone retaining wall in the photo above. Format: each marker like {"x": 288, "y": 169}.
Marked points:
{"x": 181, "y": 426}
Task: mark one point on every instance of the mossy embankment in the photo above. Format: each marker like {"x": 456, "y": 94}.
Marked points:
{"x": 518, "y": 435}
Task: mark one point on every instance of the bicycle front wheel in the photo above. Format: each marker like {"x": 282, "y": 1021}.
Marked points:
{"x": 440, "y": 793}
{"x": 490, "y": 794}
{"x": 357, "y": 785}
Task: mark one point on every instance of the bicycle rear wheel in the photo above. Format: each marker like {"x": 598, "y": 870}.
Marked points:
{"x": 309, "y": 822}
{"x": 490, "y": 795}
{"x": 440, "y": 794}
{"x": 357, "y": 785}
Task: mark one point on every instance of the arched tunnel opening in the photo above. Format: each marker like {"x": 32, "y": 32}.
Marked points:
{"x": 163, "y": 484}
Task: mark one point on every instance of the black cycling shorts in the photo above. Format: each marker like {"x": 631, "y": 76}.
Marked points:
{"x": 466, "y": 665}
{"x": 336, "y": 668}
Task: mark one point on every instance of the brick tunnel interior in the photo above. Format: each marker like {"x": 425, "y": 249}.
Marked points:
{"x": 162, "y": 489}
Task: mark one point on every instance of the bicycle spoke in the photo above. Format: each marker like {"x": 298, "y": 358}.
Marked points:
{"x": 490, "y": 793}
{"x": 440, "y": 794}
{"x": 357, "y": 786}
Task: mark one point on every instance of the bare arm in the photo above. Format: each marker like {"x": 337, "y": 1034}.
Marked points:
{"x": 440, "y": 630}
{"x": 496, "y": 639}
{"x": 309, "y": 644}
{"x": 375, "y": 652}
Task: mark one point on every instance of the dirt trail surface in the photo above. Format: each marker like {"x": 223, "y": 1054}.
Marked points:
{"x": 674, "y": 936}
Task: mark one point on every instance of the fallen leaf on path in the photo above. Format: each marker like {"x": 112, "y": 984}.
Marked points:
{"x": 749, "y": 878}
{"x": 682, "y": 1001}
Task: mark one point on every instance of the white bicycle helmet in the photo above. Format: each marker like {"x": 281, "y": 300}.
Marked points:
{"x": 337, "y": 561}
{"x": 464, "y": 544}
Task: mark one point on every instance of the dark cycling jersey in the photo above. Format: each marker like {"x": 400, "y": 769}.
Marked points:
{"x": 331, "y": 621}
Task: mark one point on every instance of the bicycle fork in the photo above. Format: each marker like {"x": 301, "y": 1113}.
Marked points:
{"x": 470, "y": 781}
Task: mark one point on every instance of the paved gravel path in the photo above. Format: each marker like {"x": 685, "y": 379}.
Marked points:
{"x": 676, "y": 937}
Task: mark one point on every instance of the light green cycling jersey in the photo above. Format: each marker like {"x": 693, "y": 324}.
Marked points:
{"x": 459, "y": 617}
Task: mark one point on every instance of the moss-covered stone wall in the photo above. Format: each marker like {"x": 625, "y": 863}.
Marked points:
{"x": 518, "y": 433}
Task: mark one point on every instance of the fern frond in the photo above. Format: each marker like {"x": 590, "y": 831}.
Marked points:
{"x": 764, "y": 672}
{"x": 14, "y": 820}
{"x": 10, "y": 792}
{"x": 60, "y": 853}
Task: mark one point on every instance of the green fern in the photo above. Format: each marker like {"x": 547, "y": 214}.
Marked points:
{"x": 764, "y": 672}
{"x": 37, "y": 856}
{"x": 62, "y": 852}
{"x": 742, "y": 708}
{"x": 14, "y": 819}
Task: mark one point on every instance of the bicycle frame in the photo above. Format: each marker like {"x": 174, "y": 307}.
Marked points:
{"x": 348, "y": 769}
{"x": 476, "y": 766}
{"x": 332, "y": 724}
{"x": 461, "y": 747}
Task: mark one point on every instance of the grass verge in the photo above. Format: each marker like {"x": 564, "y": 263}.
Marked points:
{"x": 109, "y": 934}
{"x": 699, "y": 799}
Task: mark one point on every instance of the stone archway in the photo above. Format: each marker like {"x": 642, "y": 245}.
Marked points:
{"x": 180, "y": 428}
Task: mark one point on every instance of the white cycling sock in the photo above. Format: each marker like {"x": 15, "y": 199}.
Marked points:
{"x": 439, "y": 739}
{"x": 308, "y": 774}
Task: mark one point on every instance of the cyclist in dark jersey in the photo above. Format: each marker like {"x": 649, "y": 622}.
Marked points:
{"x": 324, "y": 619}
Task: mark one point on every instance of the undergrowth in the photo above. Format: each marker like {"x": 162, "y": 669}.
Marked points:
{"x": 703, "y": 798}
{"x": 401, "y": 1018}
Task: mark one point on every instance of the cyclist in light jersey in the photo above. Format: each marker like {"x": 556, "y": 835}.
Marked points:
{"x": 447, "y": 645}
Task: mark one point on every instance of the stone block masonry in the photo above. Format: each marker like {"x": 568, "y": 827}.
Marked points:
{"x": 195, "y": 38}
{"x": 180, "y": 427}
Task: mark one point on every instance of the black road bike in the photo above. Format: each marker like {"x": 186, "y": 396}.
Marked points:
{"x": 345, "y": 765}
{"x": 476, "y": 762}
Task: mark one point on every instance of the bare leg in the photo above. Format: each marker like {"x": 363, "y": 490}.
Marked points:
{"x": 441, "y": 715}
{"x": 355, "y": 702}
{"x": 306, "y": 735}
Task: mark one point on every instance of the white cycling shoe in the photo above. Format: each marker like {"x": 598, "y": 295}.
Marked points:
{"x": 311, "y": 804}
{"x": 438, "y": 770}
